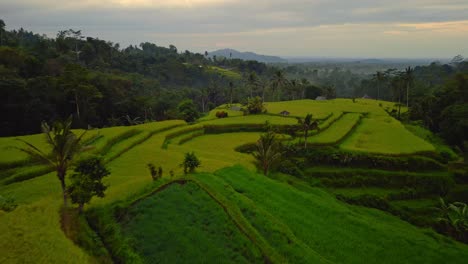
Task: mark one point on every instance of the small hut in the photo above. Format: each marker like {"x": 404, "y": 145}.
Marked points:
{"x": 321, "y": 98}
{"x": 366, "y": 97}
{"x": 284, "y": 113}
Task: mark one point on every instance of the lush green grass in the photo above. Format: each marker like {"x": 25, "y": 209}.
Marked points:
{"x": 252, "y": 119}
{"x": 226, "y": 108}
{"x": 225, "y": 72}
{"x": 182, "y": 224}
{"x": 337, "y": 131}
{"x": 32, "y": 234}
{"x": 320, "y": 109}
{"x": 437, "y": 142}
{"x": 338, "y": 232}
{"x": 384, "y": 134}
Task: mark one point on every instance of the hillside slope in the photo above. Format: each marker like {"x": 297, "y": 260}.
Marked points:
{"x": 288, "y": 223}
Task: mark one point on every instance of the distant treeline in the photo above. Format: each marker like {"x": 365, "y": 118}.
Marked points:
{"x": 101, "y": 84}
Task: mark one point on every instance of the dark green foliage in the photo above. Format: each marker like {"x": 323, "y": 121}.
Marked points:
{"x": 255, "y": 105}
{"x": 86, "y": 182}
{"x": 188, "y": 111}
{"x": 307, "y": 124}
{"x": 102, "y": 84}
{"x": 291, "y": 167}
{"x": 335, "y": 157}
{"x": 453, "y": 219}
{"x": 446, "y": 110}
{"x": 105, "y": 224}
{"x": 76, "y": 228}
{"x": 190, "y": 163}
{"x": 65, "y": 147}
{"x": 160, "y": 172}
{"x": 7, "y": 204}
{"x": 155, "y": 174}
{"x": 221, "y": 114}
{"x": 427, "y": 183}
{"x": 267, "y": 152}
{"x": 246, "y": 148}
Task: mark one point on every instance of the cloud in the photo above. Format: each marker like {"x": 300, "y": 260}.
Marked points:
{"x": 205, "y": 24}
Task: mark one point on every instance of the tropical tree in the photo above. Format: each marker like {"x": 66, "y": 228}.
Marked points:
{"x": 267, "y": 151}
{"x": 306, "y": 125}
{"x": 304, "y": 84}
{"x": 2, "y": 30}
{"x": 397, "y": 87}
{"x": 231, "y": 91}
{"x": 255, "y": 105}
{"x": 380, "y": 78}
{"x": 86, "y": 182}
{"x": 408, "y": 77}
{"x": 278, "y": 82}
{"x": 188, "y": 110}
{"x": 455, "y": 218}
{"x": 330, "y": 91}
{"x": 65, "y": 147}
{"x": 252, "y": 82}
{"x": 191, "y": 162}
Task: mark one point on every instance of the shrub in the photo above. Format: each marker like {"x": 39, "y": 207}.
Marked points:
{"x": 86, "y": 182}
{"x": 255, "y": 105}
{"x": 191, "y": 162}
{"x": 290, "y": 167}
{"x": 336, "y": 157}
{"x": 160, "y": 172}
{"x": 7, "y": 204}
{"x": 153, "y": 172}
{"x": 188, "y": 110}
{"x": 221, "y": 114}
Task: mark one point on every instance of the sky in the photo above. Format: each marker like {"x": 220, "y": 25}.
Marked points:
{"x": 294, "y": 28}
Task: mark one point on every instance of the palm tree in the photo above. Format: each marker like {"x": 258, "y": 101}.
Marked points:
{"x": 65, "y": 147}
{"x": 380, "y": 78}
{"x": 231, "y": 91}
{"x": 277, "y": 82}
{"x": 306, "y": 125}
{"x": 409, "y": 79}
{"x": 252, "y": 81}
{"x": 304, "y": 84}
{"x": 397, "y": 85}
{"x": 268, "y": 151}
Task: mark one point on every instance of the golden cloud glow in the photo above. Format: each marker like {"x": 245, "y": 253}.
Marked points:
{"x": 440, "y": 27}
{"x": 167, "y": 3}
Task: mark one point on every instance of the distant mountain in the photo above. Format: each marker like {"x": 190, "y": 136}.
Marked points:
{"x": 231, "y": 53}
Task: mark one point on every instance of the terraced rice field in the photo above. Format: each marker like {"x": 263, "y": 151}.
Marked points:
{"x": 337, "y": 131}
{"x": 280, "y": 228}
{"x": 386, "y": 135}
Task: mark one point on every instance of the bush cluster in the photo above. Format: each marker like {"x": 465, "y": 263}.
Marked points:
{"x": 155, "y": 174}
{"x": 7, "y": 204}
{"x": 221, "y": 114}
{"x": 423, "y": 183}
{"x": 336, "y": 157}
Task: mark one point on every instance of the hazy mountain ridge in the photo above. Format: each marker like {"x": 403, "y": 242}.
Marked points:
{"x": 231, "y": 53}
